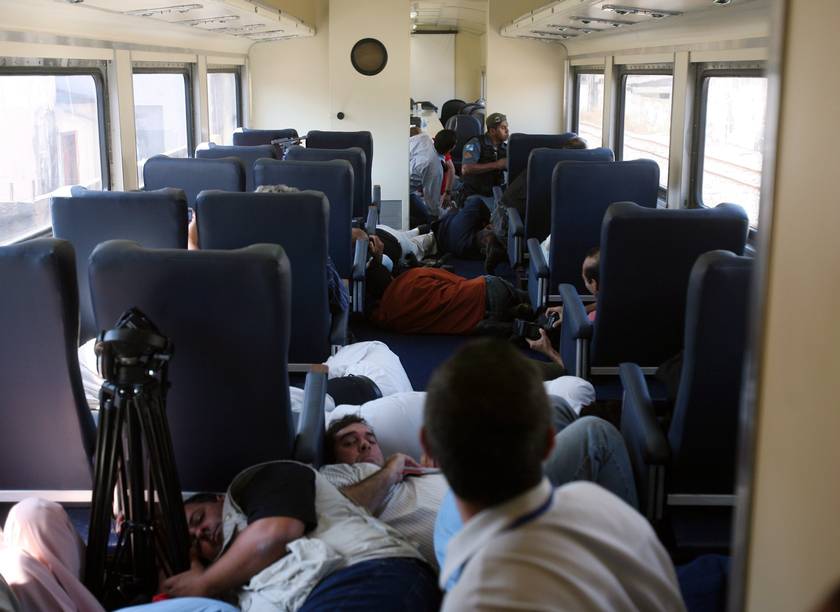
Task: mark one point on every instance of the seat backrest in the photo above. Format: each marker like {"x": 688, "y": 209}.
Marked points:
{"x": 296, "y": 221}
{"x": 156, "y": 219}
{"x": 250, "y": 138}
{"x": 474, "y": 109}
{"x": 465, "y": 128}
{"x": 521, "y": 145}
{"x": 450, "y": 108}
{"x": 47, "y": 437}
{"x": 248, "y": 155}
{"x": 354, "y": 155}
{"x": 581, "y": 193}
{"x": 335, "y": 179}
{"x": 704, "y": 428}
{"x": 541, "y": 164}
{"x": 646, "y": 258}
{"x": 227, "y": 315}
{"x": 344, "y": 140}
{"x": 193, "y": 174}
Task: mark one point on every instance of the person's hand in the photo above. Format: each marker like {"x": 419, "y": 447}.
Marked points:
{"x": 449, "y": 165}
{"x": 543, "y": 345}
{"x": 189, "y": 583}
{"x": 398, "y": 465}
{"x": 558, "y": 310}
{"x": 501, "y": 164}
{"x": 358, "y": 233}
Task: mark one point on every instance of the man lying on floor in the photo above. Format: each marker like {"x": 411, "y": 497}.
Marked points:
{"x": 283, "y": 537}
{"x": 402, "y": 492}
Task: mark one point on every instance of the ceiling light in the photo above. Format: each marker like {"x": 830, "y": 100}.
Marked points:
{"x": 721, "y": 2}
{"x": 164, "y": 10}
{"x": 613, "y": 22}
{"x": 564, "y": 28}
{"x": 634, "y": 10}
{"x": 553, "y": 34}
{"x": 413, "y": 14}
{"x": 413, "y": 26}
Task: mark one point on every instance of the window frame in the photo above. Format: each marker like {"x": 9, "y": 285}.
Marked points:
{"x": 183, "y": 69}
{"x": 96, "y": 70}
{"x": 623, "y": 73}
{"x": 576, "y": 73}
{"x": 698, "y": 128}
{"x": 237, "y": 73}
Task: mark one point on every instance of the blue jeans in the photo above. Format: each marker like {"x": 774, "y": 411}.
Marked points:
{"x": 397, "y": 585}
{"x": 418, "y": 211}
{"x": 184, "y": 604}
{"x": 587, "y": 448}
{"x": 488, "y": 201}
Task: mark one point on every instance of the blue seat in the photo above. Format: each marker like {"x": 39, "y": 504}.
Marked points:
{"x": 193, "y": 174}
{"x": 521, "y": 145}
{"x": 250, "y": 137}
{"x": 335, "y": 179}
{"x": 465, "y": 128}
{"x": 581, "y": 192}
{"x": 646, "y": 258}
{"x": 298, "y": 222}
{"x": 540, "y": 169}
{"x": 155, "y": 219}
{"x": 248, "y": 155}
{"x": 694, "y": 457}
{"x": 344, "y": 140}
{"x": 227, "y": 314}
{"x": 48, "y": 436}
{"x": 354, "y": 155}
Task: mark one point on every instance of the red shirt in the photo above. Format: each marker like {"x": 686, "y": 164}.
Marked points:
{"x": 432, "y": 301}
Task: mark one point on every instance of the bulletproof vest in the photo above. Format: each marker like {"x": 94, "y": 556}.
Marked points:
{"x": 484, "y": 182}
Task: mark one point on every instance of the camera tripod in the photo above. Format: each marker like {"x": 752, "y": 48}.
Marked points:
{"x": 134, "y": 454}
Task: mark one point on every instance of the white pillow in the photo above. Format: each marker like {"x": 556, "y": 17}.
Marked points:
{"x": 576, "y": 391}
{"x": 396, "y": 419}
{"x": 374, "y": 360}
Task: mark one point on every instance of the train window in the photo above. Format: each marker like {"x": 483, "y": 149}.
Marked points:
{"x": 162, "y": 114}
{"x": 53, "y": 122}
{"x": 645, "y": 115}
{"x": 731, "y": 136}
{"x": 223, "y": 99}
{"x": 589, "y": 107}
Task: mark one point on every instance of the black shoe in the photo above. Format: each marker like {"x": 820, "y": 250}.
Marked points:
{"x": 495, "y": 255}
{"x": 424, "y": 229}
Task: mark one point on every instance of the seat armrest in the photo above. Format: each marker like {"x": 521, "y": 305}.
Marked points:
{"x": 338, "y": 328}
{"x": 497, "y": 194}
{"x": 515, "y": 237}
{"x": 537, "y": 257}
{"x": 372, "y": 220}
{"x": 574, "y": 314}
{"x": 639, "y": 424}
{"x": 358, "y": 281}
{"x": 309, "y": 442}
{"x": 515, "y": 225}
{"x": 377, "y": 197}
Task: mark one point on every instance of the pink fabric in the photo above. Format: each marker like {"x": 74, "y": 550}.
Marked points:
{"x": 44, "y": 556}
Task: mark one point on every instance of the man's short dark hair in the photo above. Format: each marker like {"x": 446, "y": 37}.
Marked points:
{"x": 591, "y": 270}
{"x": 575, "y": 142}
{"x": 201, "y": 498}
{"x": 333, "y": 429}
{"x": 487, "y": 422}
{"x": 445, "y": 141}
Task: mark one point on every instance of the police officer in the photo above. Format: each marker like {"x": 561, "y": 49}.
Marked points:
{"x": 484, "y": 160}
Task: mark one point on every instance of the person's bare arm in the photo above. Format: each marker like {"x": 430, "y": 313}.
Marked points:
{"x": 499, "y": 164}
{"x": 256, "y": 547}
{"x": 371, "y": 492}
{"x": 543, "y": 345}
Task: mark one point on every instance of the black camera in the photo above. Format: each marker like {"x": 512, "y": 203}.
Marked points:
{"x": 531, "y": 330}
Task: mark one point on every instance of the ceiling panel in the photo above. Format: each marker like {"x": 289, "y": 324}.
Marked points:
{"x": 462, "y": 15}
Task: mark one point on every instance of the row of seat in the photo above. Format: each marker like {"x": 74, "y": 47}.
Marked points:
{"x": 228, "y": 314}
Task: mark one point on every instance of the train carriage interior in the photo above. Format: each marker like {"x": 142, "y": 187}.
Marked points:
{"x": 321, "y": 208}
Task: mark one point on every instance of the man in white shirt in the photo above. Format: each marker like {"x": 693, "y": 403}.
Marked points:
{"x": 426, "y": 167}
{"x": 525, "y": 545}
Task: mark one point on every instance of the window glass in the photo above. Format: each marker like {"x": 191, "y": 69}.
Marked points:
{"x": 50, "y": 126}
{"x": 647, "y": 120}
{"x": 590, "y": 105}
{"x": 732, "y": 142}
{"x": 160, "y": 115}
{"x": 221, "y": 99}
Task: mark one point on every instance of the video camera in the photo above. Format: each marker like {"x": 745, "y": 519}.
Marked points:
{"x": 531, "y": 329}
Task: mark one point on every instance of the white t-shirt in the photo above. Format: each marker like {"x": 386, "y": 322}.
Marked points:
{"x": 91, "y": 380}
{"x": 586, "y": 551}
{"x": 576, "y": 391}
{"x": 410, "y": 507}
